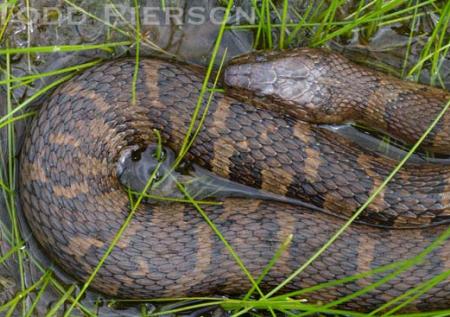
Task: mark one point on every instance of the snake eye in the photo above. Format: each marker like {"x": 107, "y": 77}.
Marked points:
{"x": 136, "y": 155}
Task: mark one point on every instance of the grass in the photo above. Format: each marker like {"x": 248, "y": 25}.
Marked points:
{"x": 324, "y": 23}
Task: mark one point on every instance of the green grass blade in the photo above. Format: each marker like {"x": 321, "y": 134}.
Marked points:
{"x": 53, "y": 311}
{"x": 138, "y": 46}
{"x": 63, "y": 48}
{"x": 283, "y": 247}
{"x": 204, "y": 89}
{"x": 41, "y": 291}
{"x": 10, "y": 7}
{"x": 94, "y": 17}
{"x": 412, "y": 294}
{"x": 283, "y": 29}
{"x": 30, "y": 78}
{"x": 36, "y": 95}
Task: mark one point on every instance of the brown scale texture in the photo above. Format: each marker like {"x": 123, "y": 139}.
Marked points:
{"x": 75, "y": 204}
{"x": 320, "y": 86}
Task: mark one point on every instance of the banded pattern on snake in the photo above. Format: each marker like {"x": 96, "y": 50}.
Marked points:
{"x": 75, "y": 204}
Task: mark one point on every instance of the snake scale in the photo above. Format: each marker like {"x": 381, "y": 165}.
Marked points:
{"x": 75, "y": 204}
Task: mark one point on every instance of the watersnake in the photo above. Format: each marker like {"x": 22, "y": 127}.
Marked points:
{"x": 75, "y": 204}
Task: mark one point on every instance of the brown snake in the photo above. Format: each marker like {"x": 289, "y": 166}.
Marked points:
{"x": 75, "y": 204}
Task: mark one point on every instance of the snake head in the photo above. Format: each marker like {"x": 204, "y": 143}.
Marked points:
{"x": 297, "y": 82}
{"x": 136, "y": 166}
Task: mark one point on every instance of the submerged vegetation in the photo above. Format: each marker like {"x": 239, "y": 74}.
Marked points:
{"x": 346, "y": 25}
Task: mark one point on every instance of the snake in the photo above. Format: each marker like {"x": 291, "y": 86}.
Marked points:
{"x": 265, "y": 131}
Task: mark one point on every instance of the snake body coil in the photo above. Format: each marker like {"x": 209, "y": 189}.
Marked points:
{"x": 75, "y": 204}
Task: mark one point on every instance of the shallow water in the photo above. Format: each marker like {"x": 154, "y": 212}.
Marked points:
{"x": 190, "y": 42}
